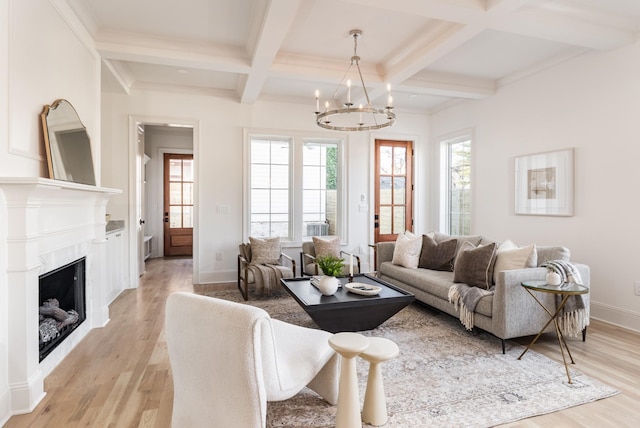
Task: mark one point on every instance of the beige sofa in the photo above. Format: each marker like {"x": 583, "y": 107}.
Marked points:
{"x": 507, "y": 313}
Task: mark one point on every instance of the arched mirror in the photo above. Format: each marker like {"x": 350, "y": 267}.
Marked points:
{"x": 67, "y": 144}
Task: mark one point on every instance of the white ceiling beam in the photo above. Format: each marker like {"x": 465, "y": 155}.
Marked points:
{"x": 444, "y": 84}
{"x": 565, "y": 29}
{"x": 127, "y": 47}
{"x": 278, "y": 17}
{"x": 120, "y": 71}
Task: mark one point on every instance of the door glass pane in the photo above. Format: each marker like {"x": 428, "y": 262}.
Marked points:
{"x": 187, "y": 193}
{"x": 385, "y": 190}
{"x": 400, "y": 160}
{"x": 187, "y": 170}
{"x": 175, "y": 193}
{"x": 187, "y": 216}
{"x": 175, "y": 170}
{"x": 398, "y": 219}
{"x": 399, "y": 190}
{"x": 385, "y": 220}
{"x": 175, "y": 217}
{"x": 386, "y": 158}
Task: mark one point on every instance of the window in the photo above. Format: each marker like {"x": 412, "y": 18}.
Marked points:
{"x": 269, "y": 198}
{"x": 319, "y": 188}
{"x": 295, "y": 190}
{"x": 458, "y": 185}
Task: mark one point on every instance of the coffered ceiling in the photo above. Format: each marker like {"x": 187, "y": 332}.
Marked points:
{"x": 432, "y": 52}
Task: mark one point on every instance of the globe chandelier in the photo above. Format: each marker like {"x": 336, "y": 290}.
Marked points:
{"x": 351, "y": 118}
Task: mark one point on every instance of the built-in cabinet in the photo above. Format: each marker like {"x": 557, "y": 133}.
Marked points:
{"x": 116, "y": 262}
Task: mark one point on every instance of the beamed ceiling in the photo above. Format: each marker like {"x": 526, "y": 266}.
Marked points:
{"x": 432, "y": 52}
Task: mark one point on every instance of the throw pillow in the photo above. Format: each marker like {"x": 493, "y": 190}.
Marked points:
{"x": 552, "y": 253}
{"x": 437, "y": 255}
{"x": 407, "y": 250}
{"x": 265, "y": 251}
{"x": 474, "y": 265}
{"x": 326, "y": 247}
{"x": 472, "y": 239}
{"x": 510, "y": 256}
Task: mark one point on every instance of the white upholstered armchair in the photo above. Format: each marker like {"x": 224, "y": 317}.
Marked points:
{"x": 228, "y": 359}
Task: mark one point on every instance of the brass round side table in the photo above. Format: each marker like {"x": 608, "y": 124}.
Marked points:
{"x": 565, "y": 290}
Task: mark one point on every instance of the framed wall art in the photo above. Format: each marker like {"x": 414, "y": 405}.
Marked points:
{"x": 544, "y": 183}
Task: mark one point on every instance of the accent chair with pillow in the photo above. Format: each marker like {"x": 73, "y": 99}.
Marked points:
{"x": 321, "y": 246}
{"x": 261, "y": 263}
{"x": 228, "y": 359}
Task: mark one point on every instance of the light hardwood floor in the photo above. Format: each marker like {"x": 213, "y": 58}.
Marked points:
{"x": 119, "y": 375}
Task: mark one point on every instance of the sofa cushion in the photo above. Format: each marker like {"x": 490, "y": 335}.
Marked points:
{"x": 437, "y": 255}
{"x": 546, "y": 254}
{"x": 326, "y": 246}
{"x": 510, "y": 256}
{"x": 265, "y": 251}
{"x": 474, "y": 265}
{"x": 433, "y": 282}
{"x": 407, "y": 250}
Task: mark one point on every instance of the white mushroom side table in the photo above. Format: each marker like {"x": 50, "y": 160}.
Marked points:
{"x": 349, "y": 346}
{"x": 374, "y": 411}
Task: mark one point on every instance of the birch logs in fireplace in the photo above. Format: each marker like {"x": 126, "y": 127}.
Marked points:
{"x": 53, "y": 319}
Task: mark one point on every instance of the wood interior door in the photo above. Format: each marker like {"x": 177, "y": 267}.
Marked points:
{"x": 393, "y": 211}
{"x": 178, "y": 204}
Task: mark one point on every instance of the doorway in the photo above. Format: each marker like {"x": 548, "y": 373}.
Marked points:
{"x": 178, "y": 204}
{"x": 393, "y": 209}
{"x": 147, "y": 185}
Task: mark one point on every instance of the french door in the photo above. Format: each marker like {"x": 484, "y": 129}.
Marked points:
{"x": 178, "y": 204}
{"x": 393, "y": 189}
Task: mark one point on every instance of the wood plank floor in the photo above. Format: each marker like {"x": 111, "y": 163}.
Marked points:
{"x": 119, "y": 375}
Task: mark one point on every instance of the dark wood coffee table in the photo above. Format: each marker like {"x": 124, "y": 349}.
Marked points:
{"x": 346, "y": 311}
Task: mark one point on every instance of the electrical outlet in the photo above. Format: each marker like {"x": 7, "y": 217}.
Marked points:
{"x": 219, "y": 256}
{"x": 636, "y": 286}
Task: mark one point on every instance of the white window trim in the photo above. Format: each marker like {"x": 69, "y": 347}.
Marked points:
{"x": 296, "y": 139}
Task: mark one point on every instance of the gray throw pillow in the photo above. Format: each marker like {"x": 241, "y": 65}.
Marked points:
{"x": 437, "y": 255}
{"x": 474, "y": 265}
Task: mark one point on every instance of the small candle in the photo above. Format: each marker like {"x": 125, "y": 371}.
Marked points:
{"x": 317, "y": 100}
{"x": 348, "y": 91}
{"x": 360, "y": 113}
{"x": 351, "y": 264}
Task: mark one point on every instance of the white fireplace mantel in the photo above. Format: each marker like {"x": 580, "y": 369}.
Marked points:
{"x": 49, "y": 223}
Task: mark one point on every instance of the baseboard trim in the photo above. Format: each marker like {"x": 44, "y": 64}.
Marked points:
{"x": 616, "y": 316}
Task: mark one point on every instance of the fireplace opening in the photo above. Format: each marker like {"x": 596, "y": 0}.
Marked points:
{"x": 62, "y": 304}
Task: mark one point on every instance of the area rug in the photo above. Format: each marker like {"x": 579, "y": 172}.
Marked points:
{"x": 444, "y": 376}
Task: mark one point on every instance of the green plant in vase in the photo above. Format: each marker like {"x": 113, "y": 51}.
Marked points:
{"x": 331, "y": 267}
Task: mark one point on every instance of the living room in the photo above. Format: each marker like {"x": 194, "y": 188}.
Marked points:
{"x": 586, "y": 102}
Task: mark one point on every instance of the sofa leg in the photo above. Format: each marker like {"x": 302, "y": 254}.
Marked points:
{"x": 584, "y": 334}
{"x": 503, "y": 346}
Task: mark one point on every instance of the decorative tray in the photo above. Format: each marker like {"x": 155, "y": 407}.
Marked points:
{"x": 363, "y": 289}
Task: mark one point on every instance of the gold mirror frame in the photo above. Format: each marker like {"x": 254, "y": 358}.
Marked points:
{"x": 67, "y": 144}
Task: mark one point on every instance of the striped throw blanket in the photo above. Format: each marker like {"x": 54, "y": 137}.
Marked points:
{"x": 575, "y": 313}
{"x": 466, "y": 298}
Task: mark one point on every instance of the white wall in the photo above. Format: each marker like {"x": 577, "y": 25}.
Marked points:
{"x": 219, "y": 155}
{"x": 41, "y": 59}
{"x": 590, "y": 103}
